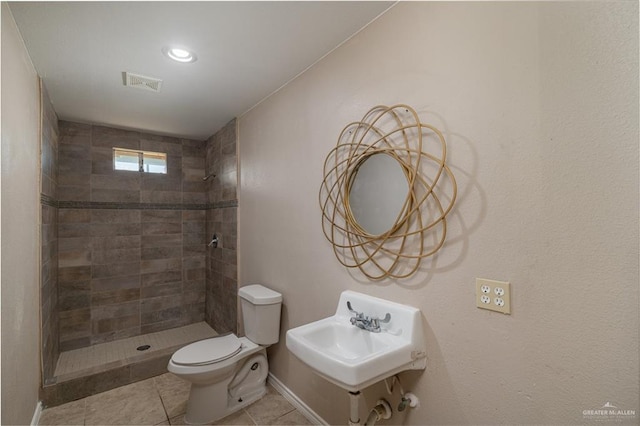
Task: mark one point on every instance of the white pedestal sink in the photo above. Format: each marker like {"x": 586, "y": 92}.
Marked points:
{"x": 354, "y": 358}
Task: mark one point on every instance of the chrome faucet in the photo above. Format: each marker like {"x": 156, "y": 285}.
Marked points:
{"x": 371, "y": 324}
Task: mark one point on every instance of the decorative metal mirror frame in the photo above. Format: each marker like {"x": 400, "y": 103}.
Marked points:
{"x": 380, "y": 256}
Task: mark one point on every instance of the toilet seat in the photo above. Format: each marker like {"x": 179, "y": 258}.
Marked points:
{"x": 208, "y": 351}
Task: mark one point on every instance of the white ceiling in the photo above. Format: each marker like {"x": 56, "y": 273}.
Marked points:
{"x": 246, "y": 51}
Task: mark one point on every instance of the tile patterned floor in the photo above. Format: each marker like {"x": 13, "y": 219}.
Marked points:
{"x": 102, "y": 354}
{"x": 162, "y": 400}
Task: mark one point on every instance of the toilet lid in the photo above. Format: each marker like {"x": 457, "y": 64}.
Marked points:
{"x": 208, "y": 351}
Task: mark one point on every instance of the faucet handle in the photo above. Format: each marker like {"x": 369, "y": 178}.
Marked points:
{"x": 353, "y": 311}
{"x": 357, "y": 318}
{"x": 375, "y": 322}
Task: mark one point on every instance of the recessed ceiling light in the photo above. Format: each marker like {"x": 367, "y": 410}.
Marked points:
{"x": 180, "y": 55}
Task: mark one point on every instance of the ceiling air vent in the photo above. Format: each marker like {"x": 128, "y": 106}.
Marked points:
{"x": 142, "y": 82}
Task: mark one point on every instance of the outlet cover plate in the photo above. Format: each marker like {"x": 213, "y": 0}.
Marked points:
{"x": 493, "y": 295}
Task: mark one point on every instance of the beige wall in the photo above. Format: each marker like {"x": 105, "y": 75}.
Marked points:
{"x": 539, "y": 105}
{"x": 20, "y": 240}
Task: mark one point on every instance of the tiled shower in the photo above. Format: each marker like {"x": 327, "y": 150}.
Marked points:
{"x": 125, "y": 253}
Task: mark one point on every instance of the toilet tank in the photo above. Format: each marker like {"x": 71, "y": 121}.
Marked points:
{"x": 260, "y": 313}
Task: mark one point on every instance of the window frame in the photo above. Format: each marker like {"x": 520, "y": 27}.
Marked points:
{"x": 141, "y": 157}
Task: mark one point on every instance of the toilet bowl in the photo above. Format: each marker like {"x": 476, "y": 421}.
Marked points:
{"x": 228, "y": 372}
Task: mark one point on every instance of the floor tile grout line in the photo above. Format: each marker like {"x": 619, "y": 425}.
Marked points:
{"x": 255, "y": 423}
{"x": 287, "y": 413}
{"x": 164, "y": 407}
{"x": 84, "y": 411}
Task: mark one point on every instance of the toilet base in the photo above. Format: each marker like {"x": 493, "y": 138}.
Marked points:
{"x": 243, "y": 386}
{"x": 236, "y": 404}
{"x": 202, "y": 414}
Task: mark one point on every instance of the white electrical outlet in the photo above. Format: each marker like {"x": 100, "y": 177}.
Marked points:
{"x": 493, "y": 295}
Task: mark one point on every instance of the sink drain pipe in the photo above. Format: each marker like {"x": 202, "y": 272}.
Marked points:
{"x": 381, "y": 411}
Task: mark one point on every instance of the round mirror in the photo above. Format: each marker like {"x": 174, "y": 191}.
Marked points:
{"x": 378, "y": 189}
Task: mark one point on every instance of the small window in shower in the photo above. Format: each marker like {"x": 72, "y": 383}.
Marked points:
{"x": 139, "y": 161}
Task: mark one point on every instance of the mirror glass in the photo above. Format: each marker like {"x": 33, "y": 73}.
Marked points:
{"x": 377, "y": 193}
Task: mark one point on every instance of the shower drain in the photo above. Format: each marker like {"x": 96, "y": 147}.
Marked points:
{"x": 143, "y": 347}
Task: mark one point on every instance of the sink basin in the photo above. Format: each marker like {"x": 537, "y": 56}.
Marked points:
{"x": 354, "y": 358}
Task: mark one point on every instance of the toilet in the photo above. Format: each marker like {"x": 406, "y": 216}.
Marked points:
{"x": 228, "y": 372}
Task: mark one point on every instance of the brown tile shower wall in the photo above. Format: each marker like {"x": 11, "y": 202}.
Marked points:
{"x": 49, "y": 237}
{"x": 132, "y": 253}
{"x": 222, "y": 277}
{"x": 49, "y": 147}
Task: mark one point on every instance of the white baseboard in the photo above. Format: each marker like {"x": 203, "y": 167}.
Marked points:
{"x": 303, "y": 408}
{"x": 36, "y": 414}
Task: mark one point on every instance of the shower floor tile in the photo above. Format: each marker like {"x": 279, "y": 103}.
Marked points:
{"x": 99, "y": 357}
{"x": 162, "y": 400}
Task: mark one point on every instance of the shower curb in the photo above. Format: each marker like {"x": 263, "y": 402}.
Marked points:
{"x": 82, "y": 384}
